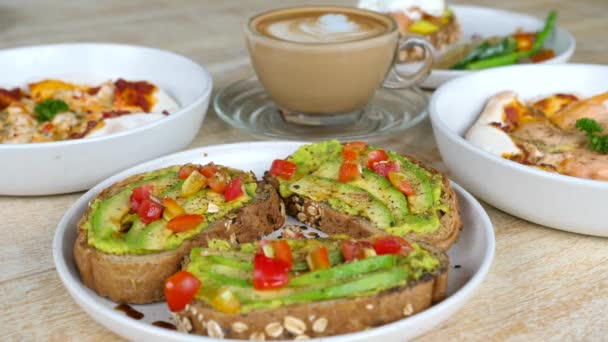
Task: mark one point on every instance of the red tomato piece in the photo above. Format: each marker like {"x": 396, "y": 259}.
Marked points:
{"x": 234, "y": 190}
{"x": 139, "y": 194}
{"x": 180, "y": 289}
{"x": 269, "y": 273}
{"x": 185, "y": 171}
{"x": 401, "y": 183}
{"x": 376, "y": 156}
{"x": 359, "y": 146}
{"x": 318, "y": 259}
{"x": 348, "y": 172}
{"x": 542, "y": 55}
{"x": 185, "y": 222}
{"x": 283, "y": 168}
{"x": 349, "y": 154}
{"x": 149, "y": 211}
{"x": 392, "y": 245}
{"x": 385, "y": 167}
{"x": 354, "y": 250}
{"x": 208, "y": 170}
{"x": 282, "y": 251}
{"x": 217, "y": 183}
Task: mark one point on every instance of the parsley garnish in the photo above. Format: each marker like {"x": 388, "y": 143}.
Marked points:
{"x": 47, "y": 109}
{"x": 595, "y": 142}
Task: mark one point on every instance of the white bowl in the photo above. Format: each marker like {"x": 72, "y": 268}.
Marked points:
{"x": 75, "y": 165}
{"x": 487, "y": 22}
{"x": 474, "y": 252}
{"x": 558, "y": 201}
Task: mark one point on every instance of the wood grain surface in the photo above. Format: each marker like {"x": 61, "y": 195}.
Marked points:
{"x": 544, "y": 284}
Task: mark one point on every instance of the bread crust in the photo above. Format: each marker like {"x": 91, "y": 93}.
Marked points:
{"x": 325, "y": 318}
{"x": 331, "y": 221}
{"x": 139, "y": 279}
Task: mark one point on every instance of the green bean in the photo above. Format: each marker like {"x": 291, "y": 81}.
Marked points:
{"x": 516, "y": 56}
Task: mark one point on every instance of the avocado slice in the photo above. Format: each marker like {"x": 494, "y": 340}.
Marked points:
{"x": 322, "y": 189}
{"x": 348, "y": 270}
{"x": 422, "y": 199}
{"x": 423, "y": 223}
{"x": 154, "y": 236}
{"x": 308, "y": 158}
{"x": 373, "y": 183}
{"x": 371, "y": 283}
{"x": 231, "y": 269}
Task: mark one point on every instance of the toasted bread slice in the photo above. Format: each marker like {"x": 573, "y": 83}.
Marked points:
{"x": 320, "y": 215}
{"x": 139, "y": 279}
{"x": 322, "y": 318}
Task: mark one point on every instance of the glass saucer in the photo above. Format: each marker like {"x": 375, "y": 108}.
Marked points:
{"x": 245, "y": 105}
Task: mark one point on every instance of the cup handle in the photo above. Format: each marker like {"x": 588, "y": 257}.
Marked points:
{"x": 396, "y": 80}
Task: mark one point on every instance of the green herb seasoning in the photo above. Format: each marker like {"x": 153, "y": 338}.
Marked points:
{"x": 47, "y": 109}
{"x": 595, "y": 141}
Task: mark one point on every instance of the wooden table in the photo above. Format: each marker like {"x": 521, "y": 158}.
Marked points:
{"x": 544, "y": 284}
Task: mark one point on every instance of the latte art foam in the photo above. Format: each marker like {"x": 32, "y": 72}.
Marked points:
{"x": 326, "y": 28}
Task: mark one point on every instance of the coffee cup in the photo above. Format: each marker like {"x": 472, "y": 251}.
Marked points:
{"x": 321, "y": 65}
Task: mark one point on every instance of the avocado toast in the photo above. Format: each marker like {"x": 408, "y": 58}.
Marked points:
{"x": 360, "y": 190}
{"x": 135, "y": 233}
{"x": 295, "y": 289}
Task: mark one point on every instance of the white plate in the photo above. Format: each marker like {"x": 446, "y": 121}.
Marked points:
{"x": 75, "y": 165}
{"x": 558, "y": 201}
{"x": 474, "y": 252}
{"x": 488, "y": 22}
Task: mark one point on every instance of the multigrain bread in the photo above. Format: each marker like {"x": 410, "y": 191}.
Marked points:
{"x": 324, "y": 318}
{"x": 320, "y": 215}
{"x": 139, "y": 279}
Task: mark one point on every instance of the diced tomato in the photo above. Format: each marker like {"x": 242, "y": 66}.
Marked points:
{"x": 269, "y": 273}
{"x": 180, "y": 289}
{"x": 208, "y": 170}
{"x": 234, "y": 190}
{"x": 349, "y": 154}
{"x": 140, "y": 194}
{"x": 376, "y": 156}
{"x": 282, "y": 251}
{"x": 358, "y": 146}
{"x": 217, "y": 183}
{"x": 185, "y": 171}
{"x": 384, "y": 167}
{"x": 542, "y": 55}
{"x": 185, "y": 222}
{"x": 392, "y": 245}
{"x": 355, "y": 250}
{"x": 525, "y": 41}
{"x": 401, "y": 183}
{"x": 318, "y": 259}
{"x": 47, "y": 127}
{"x": 348, "y": 172}
{"x": 283, "y": 168}
{"x": 149, "y": 211}
{"x": 172, "y": 209}
{"x": 226, "y": 301}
